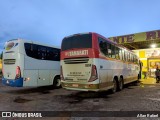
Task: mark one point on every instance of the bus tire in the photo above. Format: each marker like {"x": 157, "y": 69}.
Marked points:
{"x": 57, "y": 82}
{"x": 114, "y": 89}
{"x": 120, "y": 84}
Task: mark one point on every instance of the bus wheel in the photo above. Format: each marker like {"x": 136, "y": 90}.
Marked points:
{"x": 114, "y": 89}
{"x": 120, "y": 84}
{"x": 57, "y": 82}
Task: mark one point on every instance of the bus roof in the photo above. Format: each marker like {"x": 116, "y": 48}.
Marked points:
{"x": 34, "y": 42}
{"x": 91, "y": 33}
{"x": 108, "y": 40}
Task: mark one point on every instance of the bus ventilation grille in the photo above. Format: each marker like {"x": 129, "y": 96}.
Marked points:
{"x": 9, "y": 61}
{"x": 76, "y": 61}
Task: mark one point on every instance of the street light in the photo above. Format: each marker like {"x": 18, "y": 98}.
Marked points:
{"x": 153, "y": 45}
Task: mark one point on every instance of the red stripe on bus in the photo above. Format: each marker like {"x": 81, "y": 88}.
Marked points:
{"x": 88, "y": 52}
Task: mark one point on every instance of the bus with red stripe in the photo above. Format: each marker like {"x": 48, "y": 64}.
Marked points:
{"x": 91, "y": 62}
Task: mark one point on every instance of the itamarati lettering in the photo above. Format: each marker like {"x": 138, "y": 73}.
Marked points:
{"x": 75, "y": 53}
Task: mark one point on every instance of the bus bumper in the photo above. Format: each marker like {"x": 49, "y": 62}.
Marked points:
{"x": 81, "y": 87}
{"x": 13, "y": 83}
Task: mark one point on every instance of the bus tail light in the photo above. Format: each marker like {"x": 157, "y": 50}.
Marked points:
{"x": 61, "y": 74}
{"x": 18, "y": 72}
{"x": 93, "y": 74}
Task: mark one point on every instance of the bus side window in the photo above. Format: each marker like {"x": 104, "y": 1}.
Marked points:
{"x": 125, "y": 56}
{"x": 49, "y": 54}
{"x": 120, "y": 54}
{"x": 28, "y": 49}
{"x": 34, "y": 51}
{"x": 42, "y": 52}
{"x": 31, "y": 50}
{"x": 113, "y": 51}
{"x": 109, "y": 50}
{"x": 117, "y": 53}
{"x": 56, "y": 54}
{"x": 132, "y": 57}
{"x": 103, "y": 46}
{"x": 128, "y": 56}
{"x": 135, "y": 59}
{"x": 53, "y": 54}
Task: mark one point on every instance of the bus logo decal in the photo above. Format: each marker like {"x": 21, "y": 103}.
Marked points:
{"x": 11, "y": 45}
{"x": 76, "y": 53}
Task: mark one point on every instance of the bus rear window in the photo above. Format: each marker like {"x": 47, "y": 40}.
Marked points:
{"x": 77, "y": 41}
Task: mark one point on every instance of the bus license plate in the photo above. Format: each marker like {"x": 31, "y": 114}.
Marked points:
{"x": 75, "y": 85}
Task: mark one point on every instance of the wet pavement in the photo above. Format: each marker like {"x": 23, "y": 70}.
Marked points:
{"x": 148, "y": 81}
{"x": 144, "y": 97}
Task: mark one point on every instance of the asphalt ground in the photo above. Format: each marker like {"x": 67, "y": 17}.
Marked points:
{"x": 126, "y": 104}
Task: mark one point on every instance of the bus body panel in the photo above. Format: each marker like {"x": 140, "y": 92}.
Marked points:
{"x": 11, "y": 62}
{"x": 54, "y": 73}
{"x": 79, "y": 71}
{"x": 39, "y": 77}
{"x": 11, "y": 82}
{"x": 30, "y": 77}
{"x": 43, "y": 77}
{"x": 105, "y": 73}
{"x": 45, "y": 71}
{"x": 109, "y": 69}
{"x": 10, "y": 68}
{"x": 77, "y": 65}
{"x": 78, "y": 75}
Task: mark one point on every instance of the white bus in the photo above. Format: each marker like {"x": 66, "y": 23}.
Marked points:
{"x": 28, "y": 63}
{"x": 91, "y": 62}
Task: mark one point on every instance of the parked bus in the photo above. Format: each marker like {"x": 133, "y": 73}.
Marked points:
{"x": 28, "y": 63}
{"x": 91, "y": 62}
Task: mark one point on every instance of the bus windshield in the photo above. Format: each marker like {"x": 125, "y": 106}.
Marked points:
{"x": 77, "y": 41}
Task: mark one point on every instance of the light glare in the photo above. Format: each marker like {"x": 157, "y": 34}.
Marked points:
{"x": 153, "y": 45}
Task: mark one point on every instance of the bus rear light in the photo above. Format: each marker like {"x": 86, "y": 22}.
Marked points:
{"x": 61, "y": 74}
{"x": 93, "y": 74}
{"x": 89, "y": 86}
{"x": 27, "y": 79}
{"x": 18, "y": 72}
